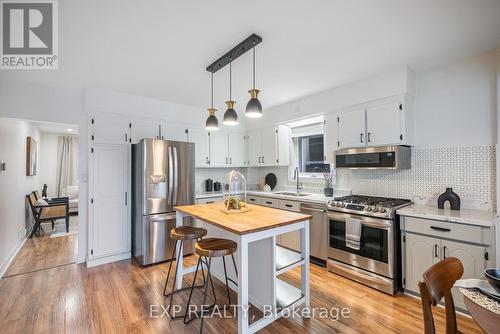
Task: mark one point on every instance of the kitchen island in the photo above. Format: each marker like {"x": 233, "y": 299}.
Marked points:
{"x": 257, "y": 260}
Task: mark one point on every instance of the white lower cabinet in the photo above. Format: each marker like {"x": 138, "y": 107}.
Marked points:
{"x": 109, "y": 205}
{"x": 422, "y": 251}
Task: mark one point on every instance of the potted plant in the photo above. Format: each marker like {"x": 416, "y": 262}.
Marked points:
{"x": 329, "y": 175}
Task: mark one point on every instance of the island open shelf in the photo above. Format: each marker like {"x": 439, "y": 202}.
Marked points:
{"x": 287, "y": 259}
{"x": 286, "y": 294}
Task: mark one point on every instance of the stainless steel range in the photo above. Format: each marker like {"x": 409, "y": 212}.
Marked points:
{"x": 375, "y": 257}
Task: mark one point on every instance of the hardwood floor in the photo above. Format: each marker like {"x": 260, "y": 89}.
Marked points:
{"x": 116, "y": 298}
{"x": 43, "y": 252}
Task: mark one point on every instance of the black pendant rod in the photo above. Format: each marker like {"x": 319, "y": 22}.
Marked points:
{"x": 230, "y": 80}
{"x": 212, "y": 90}
{"x": 240, "y": 49}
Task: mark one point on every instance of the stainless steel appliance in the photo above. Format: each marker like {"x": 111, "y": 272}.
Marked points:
{"x": 163, "y": 177}
{"x": 382, "y": 157}
{"x": 318, "y": 228}
{"x": 377, "y": 263}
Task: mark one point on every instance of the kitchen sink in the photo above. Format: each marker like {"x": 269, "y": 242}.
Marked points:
{"x": 291, "y": 194}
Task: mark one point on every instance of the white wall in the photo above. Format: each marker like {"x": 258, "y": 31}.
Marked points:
{"x": 456, "y": 104}
{"x": 48, "y": 163}
{"x": 14, "y": 186}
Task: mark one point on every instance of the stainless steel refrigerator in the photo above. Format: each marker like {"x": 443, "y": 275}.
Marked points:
{"x": 163, "y": 177}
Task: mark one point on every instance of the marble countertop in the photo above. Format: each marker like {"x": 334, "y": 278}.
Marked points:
{"x": 464, "y": 216}
{"x": 209, "y": 194}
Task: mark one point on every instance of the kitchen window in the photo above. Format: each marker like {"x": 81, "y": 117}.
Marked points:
{"x": 308, "y": 147}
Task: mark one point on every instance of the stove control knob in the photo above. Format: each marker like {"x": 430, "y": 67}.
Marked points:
{"x": 342, "y": 205}
{"x": 368, "y": 208}
{"x": 382, "y": 209}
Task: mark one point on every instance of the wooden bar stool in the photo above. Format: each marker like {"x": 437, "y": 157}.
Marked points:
{"x": 181, "y": 234}
{"x": 212, "y": 247}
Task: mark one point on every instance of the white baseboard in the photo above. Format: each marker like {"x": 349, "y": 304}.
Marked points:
{"x": 108, "y": 259}
{"x": 5, "y": 265}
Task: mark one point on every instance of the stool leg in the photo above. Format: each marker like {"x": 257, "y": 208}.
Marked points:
{"x": 169, "y": 268}
{"x": 234, "y": 264}
{"x": 191, "y": 293}
{"x": 173, "y": 286}
{"x": 227, "y": 283}
{"x": 212, "y": 284}
{"x": 205, "y": 294}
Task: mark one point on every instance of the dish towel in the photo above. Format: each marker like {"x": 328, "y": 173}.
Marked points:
{"x": 352, "y": 233}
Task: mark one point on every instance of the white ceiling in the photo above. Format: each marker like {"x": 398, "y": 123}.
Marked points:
{"x": 59, "y": 128}
{"x": 160, "y": 48}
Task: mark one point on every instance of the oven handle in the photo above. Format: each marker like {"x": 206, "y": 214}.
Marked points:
{"x": 367, "y": 221}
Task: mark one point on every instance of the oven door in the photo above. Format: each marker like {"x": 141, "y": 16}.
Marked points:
{"x": 376, "y": 252}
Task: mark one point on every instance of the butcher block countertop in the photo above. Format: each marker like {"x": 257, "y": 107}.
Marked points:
{"x": 259, "y": 218}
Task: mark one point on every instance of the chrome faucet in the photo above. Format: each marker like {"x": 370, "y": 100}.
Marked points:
{"x": 296, "y": 177}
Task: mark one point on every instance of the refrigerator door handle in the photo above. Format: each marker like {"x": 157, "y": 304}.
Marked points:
{"x": 176, "y": 176}
{"x": 170, "y": 177}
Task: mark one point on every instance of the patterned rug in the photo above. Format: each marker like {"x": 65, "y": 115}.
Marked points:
{"x": 60, "y": 227}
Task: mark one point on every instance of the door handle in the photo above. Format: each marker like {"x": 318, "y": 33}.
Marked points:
{"x": 361, "y": 137}
{"x": 176, "y": 176}
{"x": 170, "y": 176}
{"x": 440, "y": 229}
{"x": 126, "y": 200}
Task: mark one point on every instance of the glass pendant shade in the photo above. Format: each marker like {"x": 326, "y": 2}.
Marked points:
{"x": 230, "y": 116}
{"x": 254, "y": 108}
{"x": 212, "y": 123}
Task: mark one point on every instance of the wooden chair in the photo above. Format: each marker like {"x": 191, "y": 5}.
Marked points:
{"x": 52, "y": 200}
{"x": 437, "y": 283}
{"x": 50, "y": 212}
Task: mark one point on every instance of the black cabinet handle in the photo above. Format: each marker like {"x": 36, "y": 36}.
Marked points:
{"x": 269, "y": 202}
{"x": 209, "y": 202}
{"x": 361, "y": 137}
{"x": 444, "y": 252}
{"x": 289, "y": 205}
{"x": 435, "y": 250}
{"x": 369, "y": 135}
{"x": 252, "y": 199}
{"x": 262, "y": 159}
{"x": 440, "y": 229}
{"x": 259, "y": 160}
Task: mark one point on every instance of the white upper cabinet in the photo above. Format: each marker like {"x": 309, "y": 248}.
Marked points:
{"x": 201, "y": 140}
{"x": 269, "y": 147}
{"x": 144, "y": 129}
{"x": 174, "y": 131}
{"x": 351, "y": 127}
{"x": 254, "y": 148}
{"x": 109, "y": 129}
{"x": 237, "y": 149}
{"x": 378, "y": 123}
{"x": 384, "y": 124}
{"x": 330, "y": 137}
{"x": 218, "y": 149}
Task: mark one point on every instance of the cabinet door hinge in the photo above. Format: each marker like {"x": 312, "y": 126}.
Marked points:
{"x": 401, "y": 107}
{"x": 486, "y": 256}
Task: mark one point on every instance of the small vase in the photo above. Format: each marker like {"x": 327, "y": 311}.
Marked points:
{"x": 451, "y": 197}
{"x": 328, "y": 191}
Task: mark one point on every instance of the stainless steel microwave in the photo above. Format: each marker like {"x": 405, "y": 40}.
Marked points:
{"x": 382, "y": 157}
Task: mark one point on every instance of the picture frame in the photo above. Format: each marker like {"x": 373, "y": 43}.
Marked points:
{"x": 31, "y": 156}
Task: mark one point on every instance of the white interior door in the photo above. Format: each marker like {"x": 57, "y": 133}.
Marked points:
{"x": 174, "y": 131}
{"x": 269, "y": 147}
{"x": 110, "y": 226}
{"x": 254, "y": 146}
{"x": 144, "y": 129}
{"x": 383, "y": 124}
{"x": 201, "y": 142}
{"x": 472, "y": 258}
{"x": 351, "y": 128}
{"x": 421, "y": 253}
{"x": 237, "y": 149}
{"x": 109, "y": 129}
{"x": 218, "y": 149}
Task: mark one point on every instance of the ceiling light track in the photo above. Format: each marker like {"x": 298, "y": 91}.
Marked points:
{"x": 235, "y": 52}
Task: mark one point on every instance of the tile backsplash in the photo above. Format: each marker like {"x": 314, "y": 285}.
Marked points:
{"x": 470, "y": 171}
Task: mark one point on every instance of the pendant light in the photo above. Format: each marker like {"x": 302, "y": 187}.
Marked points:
{"x": 212, "y": 123}
{"x": 230, "y": 116}
{"x": 254, "y": 108}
